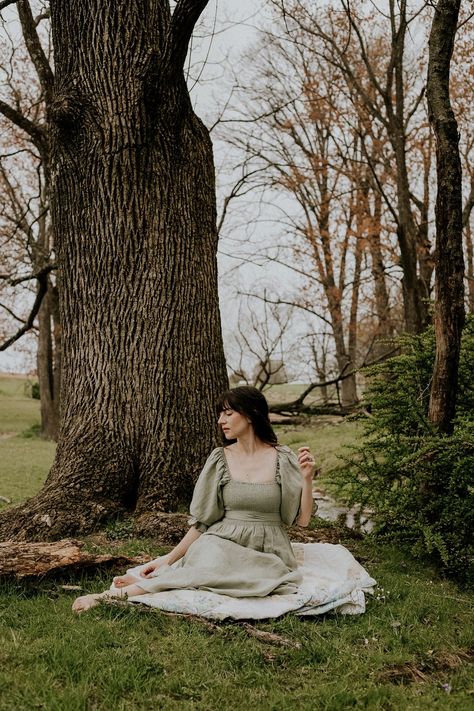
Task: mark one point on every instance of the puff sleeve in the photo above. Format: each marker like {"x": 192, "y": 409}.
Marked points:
{"x": 207, "y": 505}
{"x": 289, "y": 478}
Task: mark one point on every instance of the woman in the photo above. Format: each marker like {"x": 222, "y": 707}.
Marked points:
{"x": 246, "y": 491}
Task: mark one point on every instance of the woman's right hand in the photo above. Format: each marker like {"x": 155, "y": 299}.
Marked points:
{"x": 153, "y": 565}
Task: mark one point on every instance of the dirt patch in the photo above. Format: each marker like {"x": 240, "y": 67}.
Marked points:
{"x": 420, "y": 672}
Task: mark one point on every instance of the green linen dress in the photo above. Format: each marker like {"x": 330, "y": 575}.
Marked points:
{"x": 244, "y": 550}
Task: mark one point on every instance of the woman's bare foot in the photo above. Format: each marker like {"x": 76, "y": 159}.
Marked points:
{"x": 122, "y": 581}
{"x": 86, "y": 602}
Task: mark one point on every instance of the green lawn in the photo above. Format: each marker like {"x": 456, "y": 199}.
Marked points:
{"x": 25, "y": 459}
{"x": 410, "y": 651}
{"x": 327, "y": 438}
{"x": 18, "y": 412}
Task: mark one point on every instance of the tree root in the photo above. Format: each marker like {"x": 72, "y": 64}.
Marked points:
{"x": 51, "y": 515}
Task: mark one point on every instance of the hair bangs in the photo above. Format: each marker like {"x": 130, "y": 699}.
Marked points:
{"x": 228, "y": 400}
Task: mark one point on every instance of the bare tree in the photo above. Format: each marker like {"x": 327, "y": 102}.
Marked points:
{"x": 257, "y": 353}
{"x": 343, "y": 38}
{"x": 25, "y": 225}
{"x": 292, "y": 139}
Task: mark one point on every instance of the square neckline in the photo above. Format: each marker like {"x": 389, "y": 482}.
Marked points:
{"x": 274, "y": 479}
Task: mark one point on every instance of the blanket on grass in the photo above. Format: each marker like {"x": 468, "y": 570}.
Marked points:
{"x": 332, "y": 580}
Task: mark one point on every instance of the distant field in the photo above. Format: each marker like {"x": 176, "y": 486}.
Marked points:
{"x": 288, "y": 392}
{"x": 25, "y": 459}
{"x": 17, "y": 411}
{"x": 327, "y": 437}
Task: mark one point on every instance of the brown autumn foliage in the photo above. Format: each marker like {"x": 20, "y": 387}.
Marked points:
{"x": 331, "y": 121}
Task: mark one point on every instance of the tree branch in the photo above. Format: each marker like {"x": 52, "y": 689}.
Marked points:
{"x": 33, "y": 45}
{"x": 183, "y": 21}
{"x": 8, "y": 310}
{"x": 6, "y": 3}
{"x": 42, "y": 289}
{"x": 38, "y": 275}
{"x": 35, "y": 132}
{"x": 298, "y": 403}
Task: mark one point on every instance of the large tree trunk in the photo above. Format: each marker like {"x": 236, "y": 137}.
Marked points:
{"x": 133, "y": 206}
{"x": 449, "y": 303}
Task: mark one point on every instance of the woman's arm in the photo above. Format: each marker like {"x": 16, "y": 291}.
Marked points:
{"x": 307, "y": 468}
{"x": 176, "y": 554}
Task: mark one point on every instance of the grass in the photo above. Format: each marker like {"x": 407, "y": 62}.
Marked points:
{"x": 25, "y": 458}
{"x": 326, "y": 436}
{"x": 410, "y": 651}
{"x": 414, "y": 639}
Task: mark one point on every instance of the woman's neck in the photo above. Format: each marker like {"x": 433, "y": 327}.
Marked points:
{"x": 249, "y": 443}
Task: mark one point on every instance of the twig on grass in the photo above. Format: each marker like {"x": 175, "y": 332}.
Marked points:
{"x": 269, "y": 637}
{"x": 261, "y": 635}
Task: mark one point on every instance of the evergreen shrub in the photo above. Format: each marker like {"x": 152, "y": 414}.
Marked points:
{"x": 418, "y": 484}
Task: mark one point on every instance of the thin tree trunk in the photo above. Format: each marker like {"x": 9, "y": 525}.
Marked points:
{"x": 353, "y": 333}
{"x": 348, "y": 390}
{"x": 44, "y": 361}
{"x": 470, "y": 267}
{"x": 56, "y": 336}
{"x": 382, "y": 303}
{"x": 449, "y": 302}
{"x": 415, "y": 293}
{"x": 133, "y": 208}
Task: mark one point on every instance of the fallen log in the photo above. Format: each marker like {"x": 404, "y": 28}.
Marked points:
{"x": 22, "y": 561}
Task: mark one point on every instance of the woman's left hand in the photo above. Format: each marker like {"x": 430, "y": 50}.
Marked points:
{"x": 306, "y": 462}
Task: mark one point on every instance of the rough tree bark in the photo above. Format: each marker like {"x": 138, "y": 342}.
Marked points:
{"x": 133, "y": 209}
{"x": 449, "y": 301}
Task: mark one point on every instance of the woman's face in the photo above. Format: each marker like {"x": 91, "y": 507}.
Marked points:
{"x": 233, "y": 423}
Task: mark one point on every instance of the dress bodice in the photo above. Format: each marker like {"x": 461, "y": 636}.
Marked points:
{"x": 251, "y": 501}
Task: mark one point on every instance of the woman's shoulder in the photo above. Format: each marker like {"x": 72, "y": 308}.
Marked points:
{"x": 216, "y": 466}
{"x": 287, "y": 463}
{"x": 283, "y": 448}
{"x": 287, "y": 452}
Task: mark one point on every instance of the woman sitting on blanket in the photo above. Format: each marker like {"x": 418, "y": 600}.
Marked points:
{"x": 247, "y": 490}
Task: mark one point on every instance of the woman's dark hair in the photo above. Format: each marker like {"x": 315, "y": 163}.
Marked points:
{"x": 252, "y": 403}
